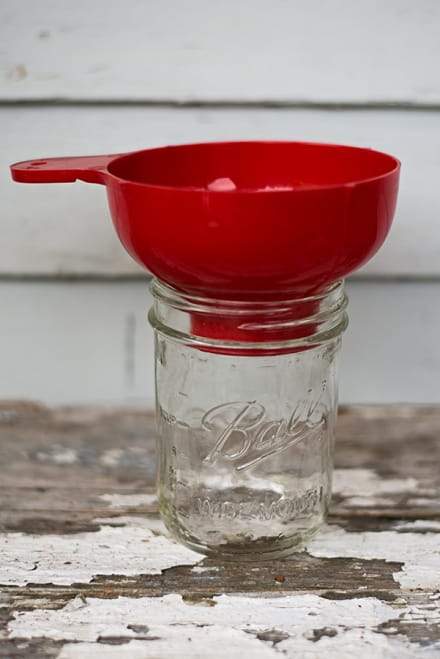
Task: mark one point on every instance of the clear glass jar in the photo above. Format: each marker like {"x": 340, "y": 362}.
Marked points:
{"x": 246, "y": 406}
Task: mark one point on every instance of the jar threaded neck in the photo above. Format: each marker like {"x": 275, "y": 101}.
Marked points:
{"x": 249, "y": 327}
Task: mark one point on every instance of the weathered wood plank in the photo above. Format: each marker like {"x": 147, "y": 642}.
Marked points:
{"x": 87, "y": 570}
{"x": 236, "y": 50}
{"x": 87, "y": 451}
{"x": 366, "y": 627}
{"x": 83, "y": 453}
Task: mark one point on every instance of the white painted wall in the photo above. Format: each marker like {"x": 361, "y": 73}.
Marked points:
{"x": 90, "y": 342}
{"x": 283, "y": 50}
{"x": 105, "y": 76}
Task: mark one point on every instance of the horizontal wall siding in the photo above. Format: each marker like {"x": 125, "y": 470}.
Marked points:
{"x": 65, "y": 229}
{"x": 90, "y": 342}
{"x": 105, "y": 76}
{"x": 199, "y": 50}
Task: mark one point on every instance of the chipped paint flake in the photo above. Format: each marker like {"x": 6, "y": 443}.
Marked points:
{"x": 118, "y": 501}
{"x": 420, "y": 525}
{"x": 104, "y": 617}
{"x": 237, "y": 623}
{"x": 57, "y": 454}
{"x": 424, "y": 502}
{"x": 419, "y": 553}
{"x": 368, "y": 502}
{"x": 363, "y": 488}
{"x": 177, "y": 643}
{"x": 199, "y": 569}
{"x": 366, "y": 483}
{"x": 132, "y": 549}
{"x": 112, "y": 457}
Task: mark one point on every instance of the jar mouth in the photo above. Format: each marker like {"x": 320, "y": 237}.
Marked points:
{"x": 203, "y": 304}
{"x": 249, "y": 327}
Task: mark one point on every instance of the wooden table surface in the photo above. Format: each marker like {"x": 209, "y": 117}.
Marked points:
{"x": 86, "y": 569}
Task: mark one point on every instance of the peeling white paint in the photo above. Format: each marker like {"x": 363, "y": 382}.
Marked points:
{"x": 366, "y": 483}
{"x": 199, "y": 569}
{"x": 418, "y": 525}
{"x": 358, "y": 643}
{"x": 422, "y": 614}
{"x": 135, "y": 548}
{"x": 179, "y": 643}
{"x": 294, "y": 614}
{"x": 153, "y": 524}
{"x": 57, "y": 454}
{"x": 112, "y": 457}
{"x": 368, "y": 502}
{"x": 139, "y": 545}
{"x": 424, "y": 502}
{"x": 117, "y": 501}
{"x": 211, "y": 643}
{"x": 419, "y": 553}
{"x": 229, "y": 628}
{"x": 363, "y": 488}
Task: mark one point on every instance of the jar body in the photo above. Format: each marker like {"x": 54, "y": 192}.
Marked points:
{"x": 245, "y": 444}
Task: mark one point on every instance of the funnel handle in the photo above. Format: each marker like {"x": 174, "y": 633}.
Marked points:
{"x": 91, "y": 169}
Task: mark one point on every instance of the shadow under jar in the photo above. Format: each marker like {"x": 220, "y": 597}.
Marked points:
{"x": 246, "y": 408}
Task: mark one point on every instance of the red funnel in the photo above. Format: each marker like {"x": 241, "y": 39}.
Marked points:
{"x": 296, "y": 217}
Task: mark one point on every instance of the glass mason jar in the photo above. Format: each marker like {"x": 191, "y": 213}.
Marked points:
{"x": 246, "y": 405}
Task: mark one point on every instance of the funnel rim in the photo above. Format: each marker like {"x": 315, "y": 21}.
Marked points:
{"x": 394, "y": 168}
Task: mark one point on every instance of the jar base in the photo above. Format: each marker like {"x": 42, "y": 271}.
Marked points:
{"x": 253, "y": 551}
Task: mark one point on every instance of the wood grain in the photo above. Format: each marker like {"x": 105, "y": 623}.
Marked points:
{"x": 81, "y": 477}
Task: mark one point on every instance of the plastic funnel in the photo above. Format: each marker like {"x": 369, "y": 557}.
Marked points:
{"x": 300, "y": 216}
{"x": 241, "y": 220}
